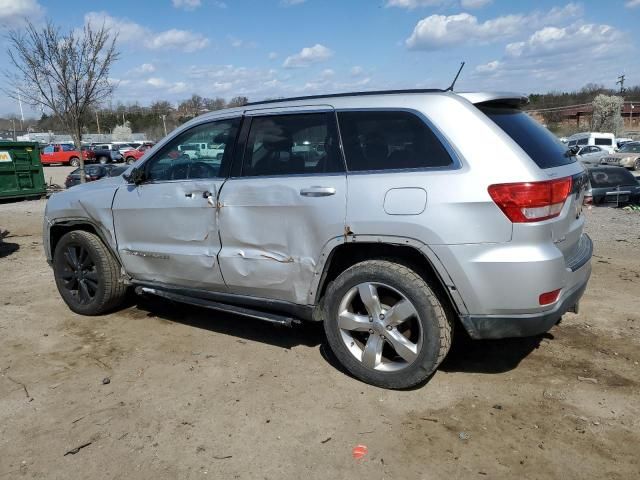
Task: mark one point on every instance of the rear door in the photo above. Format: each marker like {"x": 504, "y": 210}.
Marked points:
{"x": 166, "y": 227}
{"x": 285, "y": 200}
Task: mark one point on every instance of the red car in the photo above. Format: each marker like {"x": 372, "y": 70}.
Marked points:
{"x": 134, "y": 154}
{"x": 62, "y": 153}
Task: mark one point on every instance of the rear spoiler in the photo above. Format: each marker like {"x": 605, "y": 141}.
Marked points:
{"x": 507, "y": 99}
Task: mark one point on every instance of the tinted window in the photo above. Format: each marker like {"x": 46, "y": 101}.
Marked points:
{"x": 583, "y": 141}
{"x": 67, "y": 148}
{"x": 603, "y": 141}
{"x": 538, "y": 142}
{"x": 630, "y": 148}
{"x": 292, "y": 144}
{"x": 572, "y": 143}
{"x": 611, "y": 177}
{"x": 389, "y": 140}
{"x": 48, "y": 149}
{"x": 175, "y": 163}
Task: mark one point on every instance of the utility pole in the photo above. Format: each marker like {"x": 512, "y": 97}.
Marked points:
{"x": 21, "y": 113}
{"x": 621, "y": 83}
{"x": 164, "y": 124}
{"x": 97, "y": 122}
{"x": 13, "y": 122}
{"x": 123, "y": 120}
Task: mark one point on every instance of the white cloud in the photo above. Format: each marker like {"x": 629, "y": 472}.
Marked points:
{"x": 291, "y": 3}
{"x": 147, "y": 68}
{"x": 632, "y": 3}
{"x": 438, "y": 31}
{"x": 474, "y": 3}
{"x": 186, "y": 4}
{"x": 14, "y": 12}
{"x": 554, "y": 41}
{"x": 135, "y": 34}
{"x": 307, "y": 56}
{"x": 411, "y": 4}
{"x": 488, "y": 67}
{"x": 273, "y": 55}
{"x": 356, "y": 71}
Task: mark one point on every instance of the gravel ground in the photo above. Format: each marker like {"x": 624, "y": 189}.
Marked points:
{"x": 192, "y": 393}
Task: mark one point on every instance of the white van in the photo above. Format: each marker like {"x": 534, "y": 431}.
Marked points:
{"x": 606, "y": 141}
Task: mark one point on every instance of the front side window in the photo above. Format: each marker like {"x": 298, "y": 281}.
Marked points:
{"x": 179, "y": 161}
{"x": 48, "y": 149}
{"x": 583, "y": 141}
{"x": 294, "y": 144}
{"x": 384, "y": 140}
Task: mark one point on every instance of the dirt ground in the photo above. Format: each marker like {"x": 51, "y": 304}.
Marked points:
{"x": 195, "y": 394}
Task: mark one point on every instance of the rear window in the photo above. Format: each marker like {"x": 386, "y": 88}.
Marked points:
{"x": 538, "y": 142}
{"x": 630, "y": 148}
{"x": 603, "y": 141}
{"x": 611, "y": 177}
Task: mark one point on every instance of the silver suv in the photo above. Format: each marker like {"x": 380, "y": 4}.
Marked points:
{"x": 388, "y": 216}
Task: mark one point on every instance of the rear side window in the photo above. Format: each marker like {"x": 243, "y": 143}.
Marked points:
{"x": 603, "y": 141}
{"x": 389, "y": 140}
{"x": 611, "y": 178}
{"x": 537, "y": 142}
{"x": 583, "y": 141}
{"x": 294, "y": 144}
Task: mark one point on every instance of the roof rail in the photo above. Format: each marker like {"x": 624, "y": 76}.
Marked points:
{"x": 348, "y": 94}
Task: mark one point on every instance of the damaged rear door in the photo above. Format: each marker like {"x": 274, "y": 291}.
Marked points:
{"x": 166, "y": 227}
{"x": 285, "y": 200}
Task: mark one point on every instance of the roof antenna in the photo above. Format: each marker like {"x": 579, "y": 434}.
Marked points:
{"x": 450, "y": 89}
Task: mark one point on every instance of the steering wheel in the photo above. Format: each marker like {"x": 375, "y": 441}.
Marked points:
{"x": 202, "y": 170}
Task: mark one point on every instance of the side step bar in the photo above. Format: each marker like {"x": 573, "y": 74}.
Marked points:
{"x": 222, "y": 307}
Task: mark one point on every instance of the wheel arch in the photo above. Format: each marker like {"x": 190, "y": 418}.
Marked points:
{"x": 340, "y": 255}
{"x": 58, "y": 229}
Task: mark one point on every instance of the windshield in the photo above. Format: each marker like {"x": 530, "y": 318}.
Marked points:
{"x": 539, "y": 143}
{"x": 611, "y": 177}
{"x": 630, "y": 148}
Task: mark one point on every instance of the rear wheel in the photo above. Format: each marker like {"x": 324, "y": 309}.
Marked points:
{"x": 74, "y": 161}
{"x": 103, "y": 160}
{"x": 385, "y": 325}
{"x": 130, "y": 160}
{"x": 636, "y": 165}
{"x": 86, "y": 274}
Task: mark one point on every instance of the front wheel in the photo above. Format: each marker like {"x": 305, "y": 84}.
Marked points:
{"x": 130, "y": 160}
{"x": 74, "y": 161}
{"x": 103, "y": 160}
{"x": 636, "y": 165}
{"x": 86, "y": 274}
{"x": 385, "y": 325}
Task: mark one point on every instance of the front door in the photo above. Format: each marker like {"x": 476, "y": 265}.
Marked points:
{"x": 166, "y": 227}
{"x": 284, "y": 204}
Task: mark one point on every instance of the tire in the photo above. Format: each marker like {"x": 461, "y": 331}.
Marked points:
{"x": 74, "y": 161}
{"x": 428, "y": 330}
{"x": 130, "y": 160}
{"x": 103, "y": 160}
{"x": 636, "y": 165}
{"x": 100, "y": 275}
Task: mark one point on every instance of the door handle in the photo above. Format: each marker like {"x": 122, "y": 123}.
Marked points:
{"x": 317, "y": 191}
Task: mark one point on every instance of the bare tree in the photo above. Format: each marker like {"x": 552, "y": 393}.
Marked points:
{"x": 65, "y": 73}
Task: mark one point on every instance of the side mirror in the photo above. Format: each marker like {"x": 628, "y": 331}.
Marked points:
{"x": 136, "y": 176}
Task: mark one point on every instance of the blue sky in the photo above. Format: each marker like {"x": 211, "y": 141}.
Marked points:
{"x": 173, "y": 48}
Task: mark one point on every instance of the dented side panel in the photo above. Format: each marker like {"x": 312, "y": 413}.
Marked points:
{"x": 167, "y": 232}
{"x": 272, "y": 236}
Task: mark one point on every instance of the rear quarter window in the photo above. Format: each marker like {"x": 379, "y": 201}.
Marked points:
{"x": 611, "y": 178}
{"x": 603, "y": 141}
{"x": 539, "y": 143}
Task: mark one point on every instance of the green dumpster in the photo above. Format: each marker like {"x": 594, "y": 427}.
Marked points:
{"x": 20, "y": 170}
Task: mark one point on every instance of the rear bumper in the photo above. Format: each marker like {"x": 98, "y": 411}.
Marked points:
{"x": 526, "y": 325}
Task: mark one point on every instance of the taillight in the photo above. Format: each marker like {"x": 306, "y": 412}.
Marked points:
{"x": 531, "y": 201}
{"x": 549, "y": 297}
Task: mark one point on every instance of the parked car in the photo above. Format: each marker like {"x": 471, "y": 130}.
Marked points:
{"x": 612, "y": 185}
{"x": 627, "y": 156}
{"x": 91, "y": 172}
{"x": 202, "y": 150}
{"x": 132, "y": 155}
{"x": 605, "y": 140}
{"x": 405, "y": 226}
{"x": 591, "y": 155}
{"x": 107, "y": 152}
{"x": 60, "y": 153}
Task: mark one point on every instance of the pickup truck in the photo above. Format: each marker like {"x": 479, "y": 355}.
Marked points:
{"x": 61, "y": 153}
{"x": 202, "y": 150}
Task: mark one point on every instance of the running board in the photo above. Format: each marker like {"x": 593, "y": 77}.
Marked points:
{"x": 222, "y": 307}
